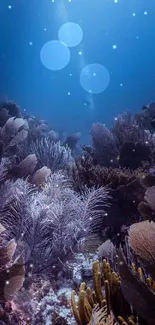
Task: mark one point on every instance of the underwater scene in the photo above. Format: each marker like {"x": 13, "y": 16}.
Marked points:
{"x": 77, "y": 162}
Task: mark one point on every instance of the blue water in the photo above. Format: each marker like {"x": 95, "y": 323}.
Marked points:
{"x": 26, "y": 25}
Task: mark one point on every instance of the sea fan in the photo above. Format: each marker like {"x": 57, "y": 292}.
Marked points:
{"x": 11, "y": 270}
{"x": 41, "y": 176}
{"x": 13, "y": 132}
{"x": 25, "y": 168}
{"x": 142, "y": 241}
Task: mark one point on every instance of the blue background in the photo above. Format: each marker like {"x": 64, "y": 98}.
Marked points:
{"x": 44, "y": 93}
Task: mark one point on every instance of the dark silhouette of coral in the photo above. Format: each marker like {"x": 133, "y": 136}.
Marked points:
{"x": 12, "y": 108}
{"x": 126, "y": 129}
{"x": 86, "y": 174}
{"x": 133, "y": 155}
{"x": 72, "y": 140}
{"x": 103, "y": 145}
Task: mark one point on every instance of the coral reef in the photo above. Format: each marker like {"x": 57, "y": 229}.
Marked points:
{"x": 60, "y": 208}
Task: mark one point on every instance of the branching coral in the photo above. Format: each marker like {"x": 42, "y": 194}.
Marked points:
{"x": 49, "y": 223}
{"x": 127, "y": 129}
{"x": 49, "y": 154}
{"x": 86, "y": 174}
{"x": 127, "y": 296}
{"x": 125, "y": 189}
{"x": 111, "y": 297}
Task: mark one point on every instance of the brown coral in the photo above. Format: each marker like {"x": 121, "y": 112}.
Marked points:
{"x": 142, "y": 241}
{"x": 104, "y": 300}
{"x": 86, "y": 173}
